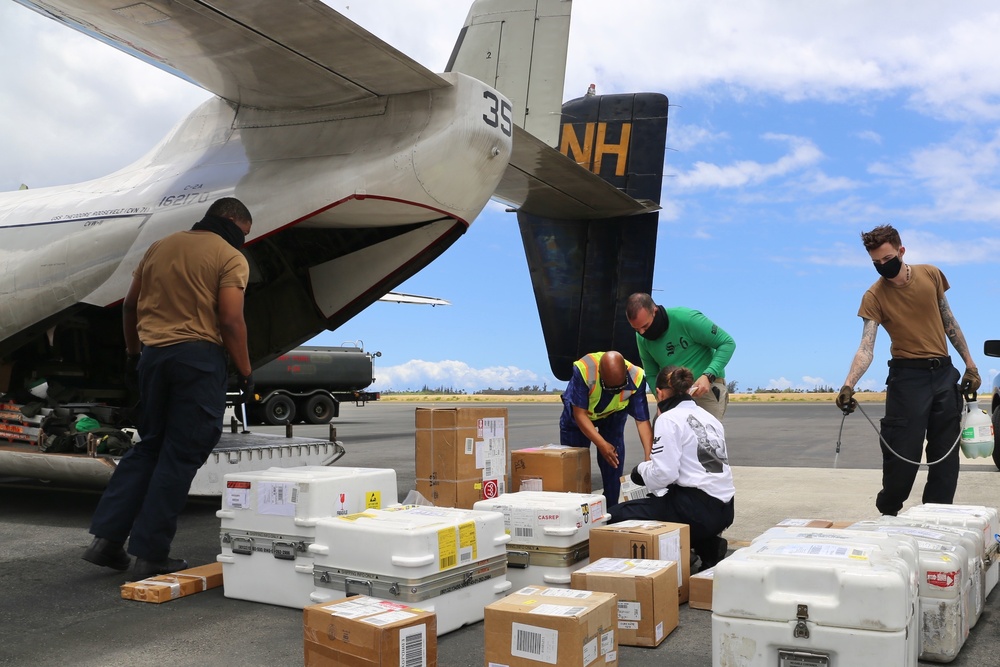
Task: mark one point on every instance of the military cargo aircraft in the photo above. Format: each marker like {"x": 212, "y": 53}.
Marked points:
{"x": 360, "y": 166}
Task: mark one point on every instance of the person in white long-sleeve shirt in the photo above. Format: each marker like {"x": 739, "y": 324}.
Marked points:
{"x": 688, "y": 473}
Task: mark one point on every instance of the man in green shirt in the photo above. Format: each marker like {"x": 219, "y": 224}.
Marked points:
{"x": 683, "y": 337}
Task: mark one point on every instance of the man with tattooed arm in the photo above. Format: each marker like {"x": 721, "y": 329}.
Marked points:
{"x": 923, "y": 398}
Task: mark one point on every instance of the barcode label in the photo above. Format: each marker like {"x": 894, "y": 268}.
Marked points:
{"x": 465, "y": 556}
{"x": 529, "y": 642}
{"x": 413, "y": 646}
{"x": 488, "y": 468}
{"x": 449, "y": 561}
{"x": 524, "y": 532}
{"x": 636, "y": 493}
{"x": 534, "y": 643}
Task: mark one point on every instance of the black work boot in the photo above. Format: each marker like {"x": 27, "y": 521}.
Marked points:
{"x": 144, "y": 569}
{"x": 711, "y": 551}
{"x": 107, "y": 554}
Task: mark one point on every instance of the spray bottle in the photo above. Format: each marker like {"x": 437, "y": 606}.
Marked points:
{"x": 977, "y": 430}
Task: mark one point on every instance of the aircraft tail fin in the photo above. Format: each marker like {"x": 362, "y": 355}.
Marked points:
{"x": 519, "y": 48}
{"x": 582, "y": 271}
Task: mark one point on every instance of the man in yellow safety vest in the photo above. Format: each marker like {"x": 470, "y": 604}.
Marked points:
{"x": 604, "y": 390}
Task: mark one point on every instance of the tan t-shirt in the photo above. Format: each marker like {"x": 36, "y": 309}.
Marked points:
{"x": 181, "y": 276}
{"x": 910, "y": 313}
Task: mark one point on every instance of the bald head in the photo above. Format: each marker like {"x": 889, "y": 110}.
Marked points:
{"x": 612, "y": 369}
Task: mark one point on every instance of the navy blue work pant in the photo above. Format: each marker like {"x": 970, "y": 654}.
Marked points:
{"x": 612, "y": 429}
{"x": 705, "y": 514}
{"x": 182, "y": 400}
{"x": 920, "y": 403}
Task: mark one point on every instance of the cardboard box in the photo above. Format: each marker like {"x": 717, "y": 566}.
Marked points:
{"x": 464, "y": 447}
{"x": 554, "y": 467}
{"x": 701, "y": 589}
{"x": 367, "y": 632}
{"x": 167, "y": 587}
{"x": 556, "y": 626}
{"x": 805, "y": 523}
{"x": 653, "y": 540}
{"x": 647, "y": 596}
{"x": 463, "y": 494}
{"x": 840, "y": 525}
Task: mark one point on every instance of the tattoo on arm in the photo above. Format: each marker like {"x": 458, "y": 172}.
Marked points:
{"x": 954, "y": 332}
{"x": 866, "y": 352}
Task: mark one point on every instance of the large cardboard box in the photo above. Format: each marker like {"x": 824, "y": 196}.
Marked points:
{"x": 461, "y": 454}
{"x": 647, "y": 596}
{"x": 654, "y": 540}
{"x": 554, "y": 626}
{"x": 551, "y": 468}
{"x": 167, "y": 587}
{"x": 701, "y": 589}
{"x": 361, "y": 631}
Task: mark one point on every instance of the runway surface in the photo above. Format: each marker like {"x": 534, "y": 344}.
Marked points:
{"x": 56, "y": 609}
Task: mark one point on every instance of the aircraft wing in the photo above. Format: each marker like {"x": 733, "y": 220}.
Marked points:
{"x": 279, "y": 55}
{"x": 542, "y": 181}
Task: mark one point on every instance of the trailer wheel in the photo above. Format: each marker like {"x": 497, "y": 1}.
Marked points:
{"x": 319, "y": 409}
{"x": 279, "y": 410}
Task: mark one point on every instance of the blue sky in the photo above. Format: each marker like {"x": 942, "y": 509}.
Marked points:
{"x": 793, "y": 127}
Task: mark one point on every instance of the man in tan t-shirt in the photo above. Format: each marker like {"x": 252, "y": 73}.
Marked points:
{"x": 185, "y": 308}
{"x": 923, "y": 398}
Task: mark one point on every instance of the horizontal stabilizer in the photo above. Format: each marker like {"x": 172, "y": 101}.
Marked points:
{"x": 542, "y": 181}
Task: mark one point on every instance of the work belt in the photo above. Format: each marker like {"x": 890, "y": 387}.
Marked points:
{"x": 925, "y": 364}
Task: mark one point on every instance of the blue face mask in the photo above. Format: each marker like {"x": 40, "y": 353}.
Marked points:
{"x": 890, "y": 269}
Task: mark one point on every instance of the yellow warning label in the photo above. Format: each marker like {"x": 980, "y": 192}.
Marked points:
{"x": 373, "y": 500}
{"x": 354, "y": 517}
{"x": 447, "y": 548}
{"x": 467, "y": 537}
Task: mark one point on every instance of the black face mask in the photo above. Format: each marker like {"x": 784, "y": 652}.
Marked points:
{"x": 890, "y": 269}
{"x": 658, "y": 326}
{"x": 224, "y": 227}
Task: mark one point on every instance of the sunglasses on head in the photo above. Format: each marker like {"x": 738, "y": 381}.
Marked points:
{"x": 615, "y": 389}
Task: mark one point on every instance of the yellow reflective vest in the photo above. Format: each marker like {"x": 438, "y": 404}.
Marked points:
{"x": 588, "y": 367}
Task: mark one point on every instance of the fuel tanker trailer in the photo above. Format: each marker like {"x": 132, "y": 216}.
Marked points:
{"x": 308, "y": 383}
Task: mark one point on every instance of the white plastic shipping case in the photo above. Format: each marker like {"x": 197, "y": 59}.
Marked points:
{"x": 945, "y": 538}
{"x": 268, "y": 520}
{"x": 969, "y": 538}
{"x": 976, "y": 517}
{"x": 446, "y": 560}
{"x": 550, "y": 533}
{"x": 944, "y": 587}
{"x": 818, "y": 601}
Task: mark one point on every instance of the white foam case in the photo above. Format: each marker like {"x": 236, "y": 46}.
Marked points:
{"x": 976, "y": 517}
{"x": 410, "y": 548}
{"x": 819, "y": 600}
{"x": 268, "y": 520}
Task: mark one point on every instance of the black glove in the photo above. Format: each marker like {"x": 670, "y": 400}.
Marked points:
{"x": 845, "y": 399}
{"x": 132, "y": 372}
{"x": 970, "y": 381}
{"x": 636, "y": 477}
{"x": 245, "y": 385}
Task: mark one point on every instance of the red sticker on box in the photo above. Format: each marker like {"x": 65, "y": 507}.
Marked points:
{"x": 942, "y": 579}
{"x": 233, "y": 484}
{"x": 490, "y": 489}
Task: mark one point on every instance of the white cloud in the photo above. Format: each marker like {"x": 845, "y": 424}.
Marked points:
{"x": 869, "y": 135}
{"x": 803, "y": 153}
{"x": 416, "y": 373}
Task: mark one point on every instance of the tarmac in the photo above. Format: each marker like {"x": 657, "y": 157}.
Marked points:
{"x": 56, "y": 609}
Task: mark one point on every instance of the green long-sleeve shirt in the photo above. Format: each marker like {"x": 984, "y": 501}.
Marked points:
{"x": 691, "y": 340}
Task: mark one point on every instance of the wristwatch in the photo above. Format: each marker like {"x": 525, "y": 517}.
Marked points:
{"x": 711, "y": 378}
